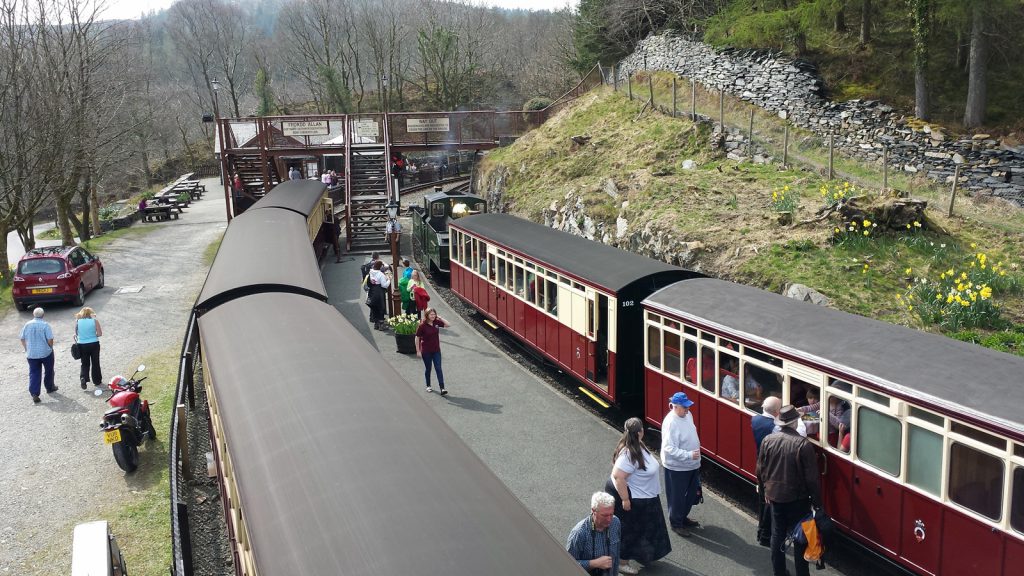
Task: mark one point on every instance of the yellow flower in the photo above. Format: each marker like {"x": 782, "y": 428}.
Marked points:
{"x": 949, "y": 299}
{"x": 910, "y": 297}
{"x": 785, "y": 188}
{"x": 942, "y": 276}
{"x": 908, "y": 226}
{"x": 899, "y": 297}
{"x": 867, "y": 222}
{"x": 837, "y": 229}
{"x": 917, "y": 224}
{"x": 986, "y": 293}
{"x": 973, "y": 245}
{"x": 938, "y": 296}
{"x": 910, "y": 308}
{"x": 867, "y": 233}
{"x": 965, "y": 303}
{"x": 1002, "y": 272}
{"x": 907, "y": 271}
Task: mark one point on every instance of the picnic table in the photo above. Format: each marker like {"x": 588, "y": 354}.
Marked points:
{"x": 194, "y": 189}
{"x": 159, "y": 212}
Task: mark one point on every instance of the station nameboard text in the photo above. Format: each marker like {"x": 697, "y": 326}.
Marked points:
{"x": 308, "y": 128}
{"x": 366, "y": 128}
{"x": 427, "y": 124}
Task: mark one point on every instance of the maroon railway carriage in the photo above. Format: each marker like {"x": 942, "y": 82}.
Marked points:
{"x": 924, "y": 461}
{"x": 574, "y": 300}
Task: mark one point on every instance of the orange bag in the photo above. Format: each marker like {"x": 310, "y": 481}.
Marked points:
{"x": 814, "y": 548}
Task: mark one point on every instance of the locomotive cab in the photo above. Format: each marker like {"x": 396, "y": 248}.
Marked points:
{"x": 430, "y": 222}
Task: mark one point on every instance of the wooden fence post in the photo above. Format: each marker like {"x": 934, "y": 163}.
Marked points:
{"x": 750, "y": 134}
{"x": 615, "y": 77}
{"x": 693, "y": 100}
{"x": 952, "y": 193}
{"x": 831, "y": 152}
{"x": 785, "y": 145}
{"x": 885, "y": 170}
{"x": 650, "y": 88}
{"x": 673, "y": 96}
{"x": 721, "y": 109}
{"x": 629, "y": 86}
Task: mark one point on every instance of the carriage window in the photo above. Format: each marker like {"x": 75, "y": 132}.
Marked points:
{"x": 467, "y": 251}
{"x": 531, "y": 287}
{"x": 690, "y": 330}
{"x": 1018, "y": 451}
{"x": 491, "y": 267}
{"x": 708, "y": 373}
{"x": 552, "y": 297}
{"x": 927, "y": 416}
{"x": 879, "y": 439}
{"x": 873, "y": 396}
{"x": 838, "y": 417}
{"x": 690, "y": 361}
{"x": 707, "y": 336}
{"x": 671, "y": 324}
{"x": 840, "y": 385}
{"x": 672, "y": 353}
{"x": 578, "y": 286}
{"x": 541, "y": 299}
{"x": 730, "y": 377}
{"x": 924, "y": 459}
{"x": 758, "y": 384}
{"x": 975, "y": 480}
{"x": 437, "y": 209}
{"x": 529, "y": 266}
{"x": 482, "y": 259}
{"x": 564, "y": 280}
{"x": 509, "y": 273}
{"x": 1017, "y": 500}
{"x": 805, "y": 396}
{"x": 975, "y": 434}
{"x": 654, "y": 346}
{"x": 519, "y": 281}
{"x": 728, "y": 344}
{"x": 753, "y": 353}
{"x": 501, "y": 271}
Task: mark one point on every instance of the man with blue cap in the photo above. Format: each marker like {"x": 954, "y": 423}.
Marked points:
{"x": 680, "y": 455}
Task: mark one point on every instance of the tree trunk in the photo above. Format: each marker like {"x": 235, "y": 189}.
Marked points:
{"x": 974, "y": 115}
{"x": 6, "y": 275}
{"x": 94, "y": 212}
{"x": 839, "y": 24}
{"x": 63, "y": 209}
{"x": 865, "y": 23}
{"x": 920, "y": 93}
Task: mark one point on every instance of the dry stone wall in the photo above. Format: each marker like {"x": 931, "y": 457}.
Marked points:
{"x": 862, "y": 128}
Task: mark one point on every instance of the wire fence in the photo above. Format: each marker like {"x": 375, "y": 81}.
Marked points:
{"x": 752, "y": 133}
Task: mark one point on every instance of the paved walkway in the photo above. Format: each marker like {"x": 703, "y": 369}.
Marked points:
{"x": 550, "y": 452}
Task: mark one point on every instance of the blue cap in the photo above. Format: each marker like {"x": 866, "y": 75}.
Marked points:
{"x": 680, "y": 399}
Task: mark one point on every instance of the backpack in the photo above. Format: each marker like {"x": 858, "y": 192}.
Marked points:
{"x": 365, "y": 271}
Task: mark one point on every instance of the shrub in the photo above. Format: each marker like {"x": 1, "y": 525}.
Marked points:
{"x": 109, "y": 212}
{"x": 834, "y": 193}
{"x": 784, "y": 201}
{"x": 537, "y": 103}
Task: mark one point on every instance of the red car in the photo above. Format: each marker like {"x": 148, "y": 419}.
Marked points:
{"x": 56, "y": 274}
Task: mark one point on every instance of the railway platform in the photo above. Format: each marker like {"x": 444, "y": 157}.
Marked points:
{"x": 550, "y": 452}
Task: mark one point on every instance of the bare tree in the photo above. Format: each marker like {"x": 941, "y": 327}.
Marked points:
{"x": 977, "y": 82}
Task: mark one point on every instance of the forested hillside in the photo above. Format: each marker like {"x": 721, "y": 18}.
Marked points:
{"x": 957, "y": 62}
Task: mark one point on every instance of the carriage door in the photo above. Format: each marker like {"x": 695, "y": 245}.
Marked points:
{"x": 599, "y": 364}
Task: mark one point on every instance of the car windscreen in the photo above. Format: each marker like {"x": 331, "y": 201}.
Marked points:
{"x": 41, "y": 266}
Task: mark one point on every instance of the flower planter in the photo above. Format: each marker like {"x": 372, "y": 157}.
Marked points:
{"x": 406, "y": 343}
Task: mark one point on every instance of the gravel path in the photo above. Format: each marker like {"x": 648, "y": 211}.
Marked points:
{"x": 55, "y": 469}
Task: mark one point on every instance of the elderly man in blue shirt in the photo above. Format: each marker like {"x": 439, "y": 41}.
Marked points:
{"x": 594, "y": 542}
{"x": 37, "y": 340}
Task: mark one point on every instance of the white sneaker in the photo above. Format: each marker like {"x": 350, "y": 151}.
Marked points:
{"x": 629, "y": 568}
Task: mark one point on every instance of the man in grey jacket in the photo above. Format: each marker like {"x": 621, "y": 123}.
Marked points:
{"x": 788, "y": 469}
{"x": 680, "y": 455}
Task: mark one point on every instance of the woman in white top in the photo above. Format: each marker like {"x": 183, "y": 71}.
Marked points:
{"x": 377, "y": 300}
{"x": 634, "y": 484}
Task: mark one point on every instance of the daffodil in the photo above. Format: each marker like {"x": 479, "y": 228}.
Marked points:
{"x": 907, "y": 271}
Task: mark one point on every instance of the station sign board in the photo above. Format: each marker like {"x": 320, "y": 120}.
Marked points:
{"x": 305, "y": 128}
{"x": 366, "y": 128}
{"x": 435, "y": 124}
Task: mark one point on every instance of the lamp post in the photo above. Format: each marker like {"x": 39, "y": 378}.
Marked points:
{"x": 384, "y": 96}
{"x": 394, "y": 230}
{"x": 215, "y": 84}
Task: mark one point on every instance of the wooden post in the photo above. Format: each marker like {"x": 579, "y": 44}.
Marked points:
{"x": 600, "y": 70}
{"x": 721, "y": 109}
{"x": 785, "y": 145}
{"x": 673, "y": 96}
{"x": 190, "y": 384}
{"x": 750, "y": 134}
{"x": 629, "y": 85}
{"x": 885, "y": 170}
{"x": 831, "y": 151}
{"x": 693, "y": 100}
{"x": 952, "y": 193}
{"x": 182, "y": 442}
{"x": 650, "y": 88}
{"x": 615, "y": 77}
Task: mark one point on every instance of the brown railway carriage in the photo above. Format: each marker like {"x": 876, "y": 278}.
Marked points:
{"x": 931, "y": 474}
{"x": 575, "y": 301}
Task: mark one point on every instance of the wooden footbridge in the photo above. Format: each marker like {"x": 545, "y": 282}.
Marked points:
{"x": 358, "y": 147}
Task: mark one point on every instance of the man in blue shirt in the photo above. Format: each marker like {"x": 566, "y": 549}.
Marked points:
{"x": 37, "y": 340}
{"x": 594, "y": 541}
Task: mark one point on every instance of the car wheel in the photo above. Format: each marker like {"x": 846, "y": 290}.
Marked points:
{"x": 21, "y": 306}
{"x": 80, "y": 298}
{"x": 101, "y": 282}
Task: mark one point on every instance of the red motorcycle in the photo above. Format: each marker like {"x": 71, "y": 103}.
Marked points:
{"x": 128, "y": 424}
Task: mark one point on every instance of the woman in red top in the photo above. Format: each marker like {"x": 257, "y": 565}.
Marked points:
{"x": 428, "y": 346}
{"x": 419, "y": 294}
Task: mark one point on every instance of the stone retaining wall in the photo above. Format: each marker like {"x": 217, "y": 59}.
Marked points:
{"x": 861, "y": 127}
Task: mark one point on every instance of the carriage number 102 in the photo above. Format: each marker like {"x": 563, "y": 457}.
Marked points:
{"x": 627, "y": 303}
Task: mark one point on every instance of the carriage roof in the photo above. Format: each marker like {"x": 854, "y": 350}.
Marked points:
{"x": 341, "y": 467}
{"x": 950, "y": 374}
{"x": 600, "y": 264}
{"x": 302, "y": 196}
{"x": 263, "y": 250}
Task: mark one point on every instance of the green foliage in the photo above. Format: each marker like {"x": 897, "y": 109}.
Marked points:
{"x": 109, "y": 212}
{"x": 405, "y": 325}
{"x": 537, "y": 103}
{"x": 264, "y": 94}
{"x": 1010, "y": 340}
{"x": 593, "y": 38}
{"x": 785, "y": 200}
{"x": 337, "y": 97}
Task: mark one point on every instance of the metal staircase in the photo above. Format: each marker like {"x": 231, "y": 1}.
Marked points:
{"x": 368, "y": 175}
{"x": 250, "y": 168}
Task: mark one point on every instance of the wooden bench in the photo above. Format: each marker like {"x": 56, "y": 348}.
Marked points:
{"x": 159, "y": 212}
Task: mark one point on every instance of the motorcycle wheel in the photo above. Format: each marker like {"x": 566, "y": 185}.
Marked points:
{"x": 126, "y": 455}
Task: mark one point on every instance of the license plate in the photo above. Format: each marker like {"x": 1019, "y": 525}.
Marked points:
{"x": 112, "y": 436}
{"x": 42, "y": 290}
